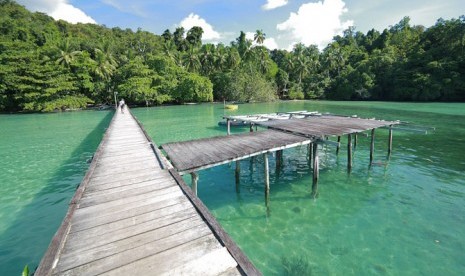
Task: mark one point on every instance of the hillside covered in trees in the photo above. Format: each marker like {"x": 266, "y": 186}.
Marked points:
{"x": 48, "y": 65}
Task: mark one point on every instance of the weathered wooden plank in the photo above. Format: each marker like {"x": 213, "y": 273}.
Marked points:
{"x": 124, "y": 180}
{"x": 104, "y": 198}
{"x": 75, "y": 259}
{"x": 162, "y": 208}
{"x": 173, "y": 257}
{"x": 115, "y": 205}
{"x": 159, "y": 182}
{"x": 95, "y": 237}
{"x": 163, "y": 253}
{"x": 124, "y": 168}
{"x": 203, "y": 152}
{"x": 213, "y": 263}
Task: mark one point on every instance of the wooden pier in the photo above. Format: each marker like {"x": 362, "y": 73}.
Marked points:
{"x": 283, "y": 130}
{"x": 134, "y": 215}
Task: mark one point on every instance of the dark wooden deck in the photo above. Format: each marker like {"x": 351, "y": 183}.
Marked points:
{"x": 130, "y": 216}
{"x": 323, "y": 126}
{"x": 199, "y": 154}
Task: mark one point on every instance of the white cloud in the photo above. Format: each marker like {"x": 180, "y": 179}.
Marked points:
{"x": 58, "y": 9}
{"x": 316, "y": 23}
{"x": 194, "y": 20}
{"x": 269, "y": 42}
{"x": 273, "y": 4}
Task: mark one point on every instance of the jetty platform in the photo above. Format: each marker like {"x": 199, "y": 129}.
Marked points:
{"x": 133, "y": 215}
{"x": 280, "y": 131}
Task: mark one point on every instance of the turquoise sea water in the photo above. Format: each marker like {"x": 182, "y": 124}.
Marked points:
{"x": 43, "y": 159}
{"x": 402, "y": 217}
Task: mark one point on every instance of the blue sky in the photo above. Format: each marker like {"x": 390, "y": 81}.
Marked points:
{"x": 285, "y": 22}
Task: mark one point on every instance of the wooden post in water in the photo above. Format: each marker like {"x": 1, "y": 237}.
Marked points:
{"x": 279, "y": 158}
{"x": 310, "y": 154}
{"x": 228, "y": 122}
{"x": 338, "y": 145}
{"x": 195, "y": 179}
{"x": 238, "y": 175}
{"x": 355, "y": 140}
{"x": 251, "y": 127}
{"x": 349, "y": 152}
{"x": 372, "y": 145}
{"x": 316, "y": 171}
{"x": 267, "y": 179}
{"x": 390, "y": 141}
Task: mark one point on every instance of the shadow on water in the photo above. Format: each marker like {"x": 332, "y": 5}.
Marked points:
{"x": 27, "y": 238}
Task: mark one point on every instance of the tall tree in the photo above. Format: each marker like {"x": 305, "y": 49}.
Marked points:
{"x": 259, "y": 37}
{"x": 194, "y": 36}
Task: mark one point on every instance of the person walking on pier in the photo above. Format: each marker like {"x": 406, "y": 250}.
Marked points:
{"x": 121, "y": 105}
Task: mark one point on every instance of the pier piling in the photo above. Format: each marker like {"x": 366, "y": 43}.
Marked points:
{"x": 349, "y": 152}
{"x": 372, "y": 145}
{"x": 195, "y": 179}
{"x": 238, "y": 175}
{"x": 267, "y": 179}
{"x": 315, "y": 170}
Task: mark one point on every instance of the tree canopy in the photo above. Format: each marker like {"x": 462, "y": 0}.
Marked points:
{"x": 48, "y": 65}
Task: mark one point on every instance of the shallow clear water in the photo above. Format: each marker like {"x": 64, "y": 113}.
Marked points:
{"x": 43, "y": 159}
{"x": 402, "y": 217}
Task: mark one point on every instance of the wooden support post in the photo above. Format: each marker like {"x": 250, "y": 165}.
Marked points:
{"x": 267, "y": 179}
{"x": 372, "y": 146}
{"x": 238, "y": 175}
{"x": 251, "y": 127}
{"x": 339, "y": 144}
{"x": 279, "y": 159}
{"x": 349, "y": 152}
{"x": 228, "y": 122}
{"x": 390, "y": 141}
{"x": 310, "y": 154}
{"x": 316, "y": 170}
{"x": 355, "y": 140}
{"x": 195, "y": 179}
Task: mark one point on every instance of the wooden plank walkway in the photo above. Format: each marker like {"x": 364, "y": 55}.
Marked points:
{"x": 323, "y": 126}
{"x": 200, "y": 154}
{"x": 130, "y": 216}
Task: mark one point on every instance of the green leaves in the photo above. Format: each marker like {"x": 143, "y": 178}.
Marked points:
{"x": 25, "y": 271}
{"x": 48, "y": 65}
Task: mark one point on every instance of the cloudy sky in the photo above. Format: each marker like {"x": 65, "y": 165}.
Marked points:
{"x": 285, "y": 22}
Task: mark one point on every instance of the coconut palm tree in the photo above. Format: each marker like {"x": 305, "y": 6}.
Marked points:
{"x": 207, "y": 58}
{"x": 191, "y": 60}
{"x": 65, "y": 54}
{"x": 259, "y": 37}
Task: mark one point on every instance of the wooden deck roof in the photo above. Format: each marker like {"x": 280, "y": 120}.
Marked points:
{"x": 204, "y": 153}
{"x": 322, "y": 126}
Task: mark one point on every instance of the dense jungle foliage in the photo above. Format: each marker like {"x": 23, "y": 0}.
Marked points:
{"x": 48, "y": 65}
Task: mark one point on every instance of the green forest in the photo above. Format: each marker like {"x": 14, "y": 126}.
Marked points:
{"x": 48, "y": 65}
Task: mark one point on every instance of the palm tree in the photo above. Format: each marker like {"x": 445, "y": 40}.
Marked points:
{"x": 106, "y": 65}
{"x": 169, "y": 48}
{"x": 233, "y": 58}
{"x": 259, "y": 37}
{"x": 191, "y": 60}
{"x": 248, "y": 54}
{"x": 221, "y": 57}
{"x": 207, "y": 58}
{"x": 66, "y": 55}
